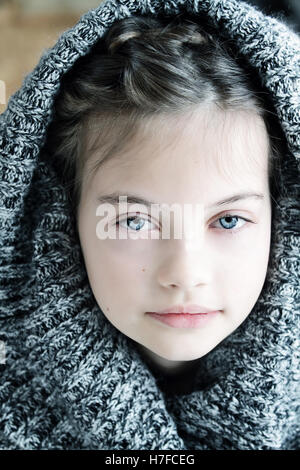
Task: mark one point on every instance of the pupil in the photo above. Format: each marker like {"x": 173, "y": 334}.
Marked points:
{"x": 138, "y": 226}
{"x": 228, "y": 220}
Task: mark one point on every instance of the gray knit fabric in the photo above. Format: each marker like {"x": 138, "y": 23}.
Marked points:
{"x": 71, "y": 380}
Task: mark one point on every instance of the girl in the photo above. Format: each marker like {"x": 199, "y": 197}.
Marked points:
{"x": 138, "y": 342}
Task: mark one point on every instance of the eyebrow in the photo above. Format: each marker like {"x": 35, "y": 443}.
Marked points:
{"x": 113, "y": 198}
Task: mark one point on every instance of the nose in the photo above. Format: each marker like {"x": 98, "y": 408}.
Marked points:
{"x": 186, "y": 267}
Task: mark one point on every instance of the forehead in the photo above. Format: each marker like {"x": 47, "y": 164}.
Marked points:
{"x": 230, "y": 143}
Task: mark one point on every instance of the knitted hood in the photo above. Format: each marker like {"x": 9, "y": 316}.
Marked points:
{"x": 70, "y": 379}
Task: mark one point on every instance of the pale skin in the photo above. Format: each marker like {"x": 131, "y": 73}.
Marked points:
{"x": 197, "y": 158}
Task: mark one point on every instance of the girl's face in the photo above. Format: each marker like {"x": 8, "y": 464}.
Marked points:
{"x": 219, "y": 262}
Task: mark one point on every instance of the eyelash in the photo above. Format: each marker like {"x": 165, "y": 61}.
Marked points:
{"x": 231, "y": 230}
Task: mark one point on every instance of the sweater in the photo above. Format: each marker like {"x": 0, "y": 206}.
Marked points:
{"x": 70, "y": 379}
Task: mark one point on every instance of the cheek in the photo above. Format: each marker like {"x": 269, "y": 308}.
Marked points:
{"x": 247, "y": 261}
{"x": 117, "y": 271}
{"x": 243, "y": 269}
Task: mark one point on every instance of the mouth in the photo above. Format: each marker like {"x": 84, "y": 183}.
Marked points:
{"x": 185, "y": 320}
{"x": 189, "y": 308}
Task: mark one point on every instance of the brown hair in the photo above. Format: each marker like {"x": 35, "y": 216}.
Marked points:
{"x": 143, "y": 67}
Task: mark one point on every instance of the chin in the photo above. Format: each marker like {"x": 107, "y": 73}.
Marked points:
{"x": 172, "y": 358}
{"x": 189, "y": 354}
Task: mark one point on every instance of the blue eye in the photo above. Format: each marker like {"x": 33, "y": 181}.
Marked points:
{"x": 136, "y": 222}
{"x": 230, "y": 222}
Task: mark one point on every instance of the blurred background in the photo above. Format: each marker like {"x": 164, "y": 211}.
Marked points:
{"x": 28, "y": 27}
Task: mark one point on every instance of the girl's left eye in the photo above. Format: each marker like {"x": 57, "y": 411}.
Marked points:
{"x": 230, "y": 222}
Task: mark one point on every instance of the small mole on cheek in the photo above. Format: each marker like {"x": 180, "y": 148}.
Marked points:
{"x": 143, "y": 270}
{"x": 107, "y": 308}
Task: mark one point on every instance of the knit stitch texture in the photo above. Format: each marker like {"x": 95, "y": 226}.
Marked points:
{"x": 73, "y": 381}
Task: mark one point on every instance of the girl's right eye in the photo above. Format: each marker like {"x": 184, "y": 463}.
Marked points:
{"x": 137, "y": 222}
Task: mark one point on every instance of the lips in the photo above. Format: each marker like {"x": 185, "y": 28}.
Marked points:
{"x": 184, "y": 320}
{"x": 186, "y": 309}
